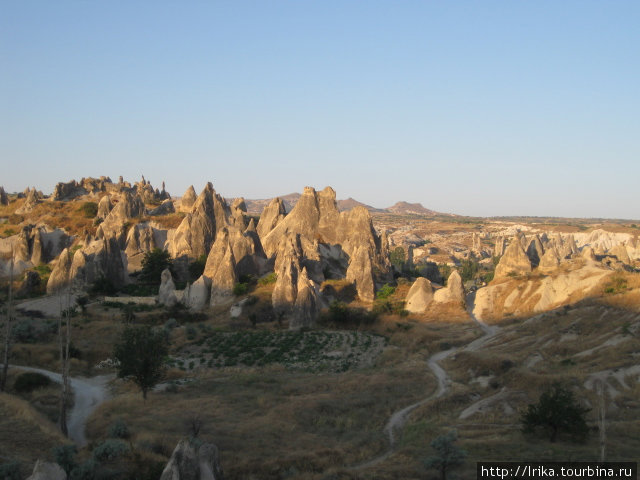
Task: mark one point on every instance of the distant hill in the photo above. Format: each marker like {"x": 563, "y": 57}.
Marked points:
{"x": 410, "y": 208}
{"x": 256, "y": 206}
{"x": 350, "y": 203}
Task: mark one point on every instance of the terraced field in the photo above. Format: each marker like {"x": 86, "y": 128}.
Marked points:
{"x": 322, "y": 351}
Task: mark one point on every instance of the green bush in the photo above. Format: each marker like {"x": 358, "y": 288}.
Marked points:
{"x": 85, "y": 471}
{"x": 468, "y": 270}
{"x": 30, "y": 381}
{"x": 153, "y": 263}
{"x": 240, "y": 289}
{"x": 89, "y": 209}
{"x": 268, "y": 279}
{"x": 103, "y": 286}
{"x": 110, "y": 450}
{"x": 556, "y": 411}
{"x": 340, "y": 315}
{"x": 64, "y": 456}
{"x": 196, "y": 268}
{"x": 10, "y": 471}
{"x": 119, "y": 429}
{"x": 386, "y": 291}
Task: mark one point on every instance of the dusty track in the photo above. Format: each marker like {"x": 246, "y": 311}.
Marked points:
{"x": 398, "y": 419}
{"x": 88, "y": 394}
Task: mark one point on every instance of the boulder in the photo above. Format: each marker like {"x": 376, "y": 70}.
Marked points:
{"x": 47, "y": 471}
{"x": 196, "y": 296}
{"x": 38, "y": 255}
{"x": 305, "y": 309}
{"x": 104, "y": 207}
{"x": 272, "y": 214}
{"x": 193, "y": 460}
{"x": 59, "y": 277}
{"x": 197, "y": 231}
{"x": 420, "y": 296}
{"x": 514, "y": 260}
{"x": 221, "y": 268}
{"x": 453, "y": 292}
{"x": 535, "y": 251}
{"x": 33, "y": 197}
{"x": 188, "y": 199}
{"x": 360, "y": 272}
{"x": 587, "y": 254}
{"x": 550, "y": 260}
{"x": 164, "y": 208}
{"x": 239, "y": 214}
{"x": 67, "y": 191}
{"x": 167, "y": 291}
{"x": 620, "y": 252}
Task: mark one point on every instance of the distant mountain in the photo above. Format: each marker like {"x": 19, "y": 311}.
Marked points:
{"x": 350, "y": 203}
{"x": 410, "y": 208}
{"x": 255, "y": 207}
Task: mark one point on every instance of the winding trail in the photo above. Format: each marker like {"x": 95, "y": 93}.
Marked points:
{"x": 397, "y": 421}
{"x": 88, "y": 394}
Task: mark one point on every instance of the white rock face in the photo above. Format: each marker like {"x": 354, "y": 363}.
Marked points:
{"x": 47, "y": 471}
{"x": 517, "y": 297}
{"x": 192, "y": 462}
{"x": 453, "y": 292}
{"x": 197, "y": 297}
{"x": 420, "y": 296}
{"x": 167, "y": 292}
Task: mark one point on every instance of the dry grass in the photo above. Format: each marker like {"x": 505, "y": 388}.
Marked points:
{"x": 267, "y": 422}
{"x": 27, "y": 435}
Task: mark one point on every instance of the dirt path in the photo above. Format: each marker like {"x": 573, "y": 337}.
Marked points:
{"x": 88, "y": 394}
{"x": 398, "y": 419}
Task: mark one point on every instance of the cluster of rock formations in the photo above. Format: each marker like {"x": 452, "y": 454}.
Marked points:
{"x": 312, "y": 243}
{"x": 544, "y": 271}
{"x": 422, "y": 296}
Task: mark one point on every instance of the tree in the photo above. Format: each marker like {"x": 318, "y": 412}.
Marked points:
{"x": 153, "y": 263}
{"x": 448, "y": 455}
{"x": 556, "y": 411}
{"x": 397, "y": 258}
{"x": 141, "y": 353}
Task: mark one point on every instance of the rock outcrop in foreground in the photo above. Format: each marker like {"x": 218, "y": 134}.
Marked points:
{"x": 193, "y": 460}
{"x": 47, "y": 471}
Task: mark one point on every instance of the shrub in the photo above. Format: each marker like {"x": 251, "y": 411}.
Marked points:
{"x": 448, "y": 455}
{"x": 64, "y": 456}
{"x": 89, "y": 209}
{"x": 268, "y": 279}
{"x": 468, "y": 270}
{"x": 24, "y": 332}
{"x": 119, "y": 429}
{"x": 85, "y": 471}
{"x": 386, "y": 291}
{"x": 556, "y": 411}
{"x": 339, "y": 314}
{"x": 103, "y": 286}
{"x": 10, "y": 471}
{"x": 196, "y": 268}
{"x": 240, "y": 289}
{"x": 153, "y": 263}
{"x": 29, "y": 381}
{"x": 110, "y": 450}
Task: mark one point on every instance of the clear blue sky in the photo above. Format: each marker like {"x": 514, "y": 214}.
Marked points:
{"x": 478, "y": 108}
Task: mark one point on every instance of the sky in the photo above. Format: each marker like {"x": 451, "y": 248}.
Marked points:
{"x": 481, "y": 108}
